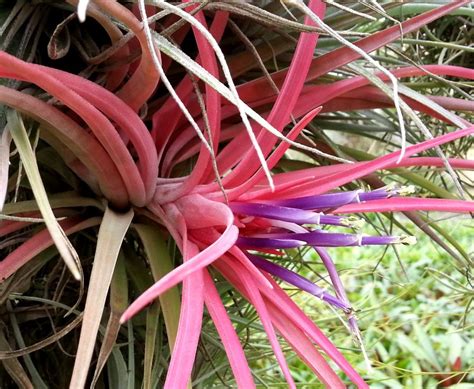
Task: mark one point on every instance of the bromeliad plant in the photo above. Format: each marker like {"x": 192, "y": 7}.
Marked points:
{"x": 155, "y": 156}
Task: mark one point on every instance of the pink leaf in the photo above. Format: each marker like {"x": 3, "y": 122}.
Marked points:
{"x": 352, "y": 173}
{"x": 256, "y": 299}
{"x": 286, "y": 99}
{"x": 204, "y": 213}
{"x": 305, "y": 349}
{"x": 189, "y": 331}
{"x": 38, "y": 243}
{"x": 259, "y": 88}
{"x": 409, "y": 204}
{"x": 226, "y": 331}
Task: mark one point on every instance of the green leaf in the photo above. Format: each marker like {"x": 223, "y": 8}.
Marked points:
{"x": 417, "y": 376}
{"x": 425, "y": 343}
{"x": 118, "y": 304}
{"x": 35, "y": 376}
{"x": 13, "y": 366}
{"x": 417, "y": 350}
{"x": 152, "y": 322}
{"x": 58, "y": 200}
{"x": 161, "y": 264}
{"x": 117, "y": 371}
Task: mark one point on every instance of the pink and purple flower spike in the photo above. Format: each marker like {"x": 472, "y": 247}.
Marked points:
{"x": 285, "y": 220}
{"x": 290, "y": 224}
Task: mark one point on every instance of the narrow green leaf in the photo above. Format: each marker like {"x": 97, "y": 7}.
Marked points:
{"x": 117, "y": 371}
{"x": 20, "y": 137}
{"x": 417, "y": 375}
{"x": 131, "y": 356}
{"x": 425, "y": 342}
{"x": 35, "y": 376}
{"x": 152, "y": 321}
{"x": 451, "y": 239}
{"x": 137, "y": 272}
{"x": 13, "y": 366}
{"x": 142, "y": 280}
{"x": 118, "y": 304}
{"x": 111, "y": 234}
{"x": 161, "y": 264}
{"x": 407, "y": 9}
{"x": 58, "y": 200}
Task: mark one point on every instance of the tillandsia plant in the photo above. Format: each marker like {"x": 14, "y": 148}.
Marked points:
{"x": 151, "y": 154}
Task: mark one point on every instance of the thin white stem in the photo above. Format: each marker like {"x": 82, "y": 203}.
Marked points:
{"x": 157, "y": 63}
{"x": 394, "y": 95}
{"x": 228, "y": 77}
{"x": 82, "y": 10}
{"x": 179, "y": 56}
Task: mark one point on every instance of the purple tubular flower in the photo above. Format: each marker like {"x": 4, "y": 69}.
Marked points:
{"x": 296, "y": 280}
{"x": 268, "y": 243}
{"x": 330, "y": 200}
{"x": 327, "y": 239}
{"x": 337, "y": 285}
{"x": 318, "y": 238}
{"x": 287, "y": 214}
{"x": 332, "y": 271}
{"x": 335, "y": 200}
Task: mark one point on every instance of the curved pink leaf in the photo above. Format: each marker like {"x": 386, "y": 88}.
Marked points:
{"x": 38, "y": 243}
{"x": 205, "y": 213}
{"x": 305, "y": 350}
{"x": 257, "y": 301}
{"x": 78, "y": 142}
{"x": 352, "y": 173}
{"x": 12, "y": 67}
{"x": 189, "y": 331}
{"x": 399, "y": 204}
{"x": 344, "y": 55}
{"x": 277, "y": 299}
{"x": 146, "y": 74}
{"x": 123, "y": 116}
{"x": 285, "y": 101}
{"x": 281, "y": 302}
{"x": 230, "y": 340}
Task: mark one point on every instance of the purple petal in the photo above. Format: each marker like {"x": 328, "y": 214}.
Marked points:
{"x": 333, "y": 274}
{"x": 296, "y": 280}
{"x": 328, "y": 239}
{"x": 276, "y": 212}
{"x": 337, "y": 284}
{"x": 287, "y": 214}
{"x": 335, "y": 200}
{"x": 330, "y": 200}
{"x": 268, "y": 243}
